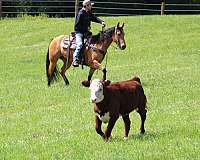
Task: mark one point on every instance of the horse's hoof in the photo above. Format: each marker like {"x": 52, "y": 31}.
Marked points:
{"x": 142, "y": 131}
{"x": 85, "y": 83}
{"x": 104, "y": 70}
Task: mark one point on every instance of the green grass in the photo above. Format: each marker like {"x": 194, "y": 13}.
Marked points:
{"x": 37, "y": 122}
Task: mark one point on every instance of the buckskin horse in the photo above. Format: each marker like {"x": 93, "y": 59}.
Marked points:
{"x": 94, "y": 52}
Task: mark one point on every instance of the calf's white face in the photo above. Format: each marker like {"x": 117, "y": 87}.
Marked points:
{"x": 96, "y": 91}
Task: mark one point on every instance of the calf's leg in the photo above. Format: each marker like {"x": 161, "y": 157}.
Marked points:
{"x": 127, "y": 124}
{"x": 98, "y": 127}
{"x": 143, "y": 118}
{"x": 110, "y": 126}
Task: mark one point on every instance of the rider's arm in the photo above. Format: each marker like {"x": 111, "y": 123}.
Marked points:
{"x": 95, "y": 19}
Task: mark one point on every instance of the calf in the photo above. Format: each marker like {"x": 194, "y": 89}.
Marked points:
{"x": 114, "y": 99}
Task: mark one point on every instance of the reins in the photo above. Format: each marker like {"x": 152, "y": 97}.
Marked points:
{"x": 105, "y": 70}
{"x": 68, "y": 51}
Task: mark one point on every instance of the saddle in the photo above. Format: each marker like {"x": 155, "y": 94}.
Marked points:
{"x": 69, "y": 42}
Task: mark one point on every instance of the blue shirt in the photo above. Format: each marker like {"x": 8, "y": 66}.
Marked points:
{"x": 83, "y": 21}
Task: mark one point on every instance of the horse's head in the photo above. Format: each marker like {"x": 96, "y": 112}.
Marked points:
{"x": 118, "y": 36}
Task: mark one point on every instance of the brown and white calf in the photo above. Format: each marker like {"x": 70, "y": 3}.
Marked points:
{"x": 114, "y": 99}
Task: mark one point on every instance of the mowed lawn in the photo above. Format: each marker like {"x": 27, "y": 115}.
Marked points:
{"x": 38, "y": 122}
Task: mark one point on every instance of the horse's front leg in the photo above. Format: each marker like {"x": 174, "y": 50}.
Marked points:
{"x": 104, "y": 73}
{"x": 91, "y": 72}
{"x": 94, "y": 66}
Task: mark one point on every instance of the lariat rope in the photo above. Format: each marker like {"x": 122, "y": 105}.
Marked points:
{"x": 105, "y": 70}
{"x": 103, "y": 28}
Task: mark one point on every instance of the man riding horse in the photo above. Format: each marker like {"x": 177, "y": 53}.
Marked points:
{"x": 82, "y": 27}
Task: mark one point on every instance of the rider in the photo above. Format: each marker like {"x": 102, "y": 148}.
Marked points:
{"x": 82, "y": 26}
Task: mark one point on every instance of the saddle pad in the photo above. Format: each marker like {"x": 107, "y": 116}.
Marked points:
{"x": 68, "y": 40}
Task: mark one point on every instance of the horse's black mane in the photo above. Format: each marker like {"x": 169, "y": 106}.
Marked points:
{"x": 102, "y": 35}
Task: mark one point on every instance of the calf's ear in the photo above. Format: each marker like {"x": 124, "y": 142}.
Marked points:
{"x": 136, "y": 78}
{"x": 118, "y": 25}
{"x": 106, "y": 82}
{"x": 86, "y": 83}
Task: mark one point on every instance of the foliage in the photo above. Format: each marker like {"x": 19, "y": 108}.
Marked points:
{"x": 66, "y": 8}
{"x": 195, "y": 1}
{"x": 38, "y": 122}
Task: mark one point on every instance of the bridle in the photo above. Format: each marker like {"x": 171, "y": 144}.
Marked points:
{"x": 118, "y": 41}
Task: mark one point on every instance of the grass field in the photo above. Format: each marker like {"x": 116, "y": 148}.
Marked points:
{"x": 37, "y": 122}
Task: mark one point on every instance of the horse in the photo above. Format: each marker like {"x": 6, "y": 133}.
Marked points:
{"x": 94, "y": 52}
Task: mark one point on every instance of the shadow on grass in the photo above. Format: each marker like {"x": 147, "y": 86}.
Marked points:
{"x": 148, "y": 136}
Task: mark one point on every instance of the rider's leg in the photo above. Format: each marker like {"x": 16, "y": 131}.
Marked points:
{"x": 79, "y": 45}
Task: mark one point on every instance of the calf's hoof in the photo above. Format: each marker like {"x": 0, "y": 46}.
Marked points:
{"x": 85, "y": 83}
{"x": 106, "y": 138}
{"x": 125, "y": 138}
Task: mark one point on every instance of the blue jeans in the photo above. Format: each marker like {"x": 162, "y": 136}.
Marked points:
{"x": 79, "y": 45}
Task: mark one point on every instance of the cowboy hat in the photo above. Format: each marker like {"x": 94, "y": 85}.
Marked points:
{"x": 85, "y": 2}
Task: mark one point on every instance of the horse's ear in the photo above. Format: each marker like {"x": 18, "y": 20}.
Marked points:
{"x": 122, "y": 25}
{"x": 86, "y": 83}
{"x": 106, "y": 82}
{"x": 118, "y": 25}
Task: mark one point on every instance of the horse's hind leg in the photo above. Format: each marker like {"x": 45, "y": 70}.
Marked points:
{"x": 62, "y": 72}
{"x": 51, "y": 70}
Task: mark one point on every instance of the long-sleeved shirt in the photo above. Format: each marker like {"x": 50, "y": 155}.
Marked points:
{"x": 83, "y": 21}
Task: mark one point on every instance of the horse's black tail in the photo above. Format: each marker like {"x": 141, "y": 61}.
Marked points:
{"x": 55, "y": 73}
